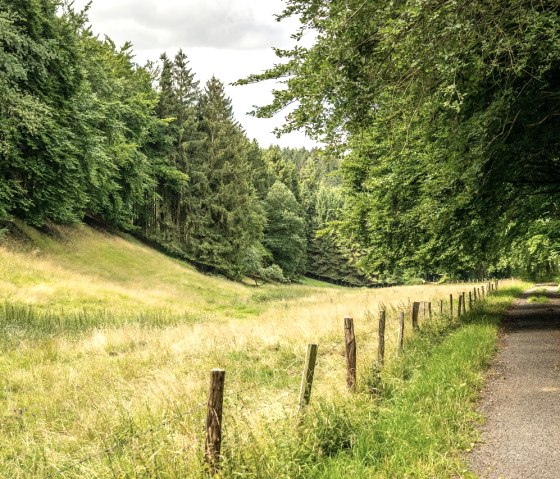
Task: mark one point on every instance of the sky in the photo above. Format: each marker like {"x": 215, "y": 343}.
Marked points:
{"x": 226, "y": 38}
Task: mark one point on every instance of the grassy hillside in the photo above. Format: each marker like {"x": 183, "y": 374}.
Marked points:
{"x": 106, "y": 346}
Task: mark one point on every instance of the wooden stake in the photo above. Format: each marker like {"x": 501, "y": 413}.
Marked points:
{"x": 307, "y": 376}
{"x": 460, "y": 306}
{"x": 430, "y": 311}
{"x": 400, "y": 341}
{"x": 381, "y": 341}
{"x": 214, "y": 420}
{"x": 451, "y": 307}
{"x": 475, "y": 295}
{"x": 441, "y": 306}
{"x": 415, "y": 311}
{"x": 350, "y": 340}
{"x": 464, "y": 303}
{"x": 470, "y": 301}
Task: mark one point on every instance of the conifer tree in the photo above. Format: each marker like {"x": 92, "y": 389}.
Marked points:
{"x": 230, "y": 220}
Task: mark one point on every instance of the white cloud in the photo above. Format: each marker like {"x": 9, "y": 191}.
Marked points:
{"x": 226, "y": 38}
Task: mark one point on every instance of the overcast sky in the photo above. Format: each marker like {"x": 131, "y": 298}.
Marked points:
{"x": 226, "y": 38}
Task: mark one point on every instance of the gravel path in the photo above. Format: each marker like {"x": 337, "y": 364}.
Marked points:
{"x": 521, "y": 402}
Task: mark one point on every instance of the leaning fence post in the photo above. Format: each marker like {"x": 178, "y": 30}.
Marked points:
{"x": 214, "y": 419}
{"x": 307, "y": 376}
{"x": 381, "y": 341}
{"x": 400, "y": 341}
{"x": 415, "y": 311}
{"x": 350, "y": 340}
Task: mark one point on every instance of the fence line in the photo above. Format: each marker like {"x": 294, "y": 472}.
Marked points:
{"x": 214, "y": 406}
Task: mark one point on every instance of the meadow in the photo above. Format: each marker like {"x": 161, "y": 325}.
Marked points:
{"x": 106, "y": 348}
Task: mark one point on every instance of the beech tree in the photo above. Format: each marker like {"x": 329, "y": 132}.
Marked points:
{"x": 447, "y": 115}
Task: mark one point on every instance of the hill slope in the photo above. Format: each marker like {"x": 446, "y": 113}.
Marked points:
{"x": 79, "y": 268}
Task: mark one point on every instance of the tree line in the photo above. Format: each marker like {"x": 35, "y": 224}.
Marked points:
{"x": 85, "y": 133}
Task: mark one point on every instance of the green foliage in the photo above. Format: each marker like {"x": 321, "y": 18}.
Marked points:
{"x": 257, "y": 264}
{"x": 447, "y": 118}
{"x": 87, "y": 133}
{"x": 285, "y": 235}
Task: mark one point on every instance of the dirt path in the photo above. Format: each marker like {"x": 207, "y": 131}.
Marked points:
{"x": 521, "y": 402}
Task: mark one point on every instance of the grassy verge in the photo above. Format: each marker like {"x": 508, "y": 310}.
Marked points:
{"x": 418, "y": 424}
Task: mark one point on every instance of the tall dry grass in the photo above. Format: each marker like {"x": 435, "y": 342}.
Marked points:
{"x": 115, "y": 392}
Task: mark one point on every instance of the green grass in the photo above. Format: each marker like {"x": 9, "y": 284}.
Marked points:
{"x": 537, "y": 299}
{"x": 105, "y": 348}
{"x": 419, "y": 423}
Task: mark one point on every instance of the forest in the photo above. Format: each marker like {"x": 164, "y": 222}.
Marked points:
{"x": 439, "y": 127}
{"x": 88, "y": 135}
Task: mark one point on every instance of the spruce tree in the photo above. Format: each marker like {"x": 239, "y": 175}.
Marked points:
{"x": 230, "y": 220}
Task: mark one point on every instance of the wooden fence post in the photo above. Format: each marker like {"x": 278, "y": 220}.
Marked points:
{"x": 460, "y": 306}
{"x": 475, "y": 296}
{"x": 400, "y": 341}
{"x": 415, "y": 311}
{"x": 213, "y": 442}
{"x": 470, "y": 301}
{"x": 307, "y": 376}
{"x": 430, "y": 310}
{"x": 350, "y": 340}
{"x": 441, "y": 306}
{"x": 381, "y": 341}
{"x": 464, "y": 302}
{"x": 451, "y": 307}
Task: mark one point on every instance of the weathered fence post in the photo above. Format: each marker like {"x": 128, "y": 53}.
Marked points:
{"x": 460, "y": 306}
{"x": 451, "y": 307}
{"x": 307, "y": 376}
{"x": 415, "y": 311}
{"x": 213, "y": 442}
{"x": 441, "y": 306}
{"x": 464, "y": 302}
{"x": 350, "y": 340}
{"x": 475, "y": 296}
{"x": 430, "y": 310}
{"x": 400, "y": 341}
{"x": 470, "y": 301}
{"x": 381, "y": 341}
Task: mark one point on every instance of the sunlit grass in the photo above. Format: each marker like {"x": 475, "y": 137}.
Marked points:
{"x": 106, "y": 347}
{"x": 537, "y": 299}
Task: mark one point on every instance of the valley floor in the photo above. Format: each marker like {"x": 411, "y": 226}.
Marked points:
{"x": 106, "y": 348}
